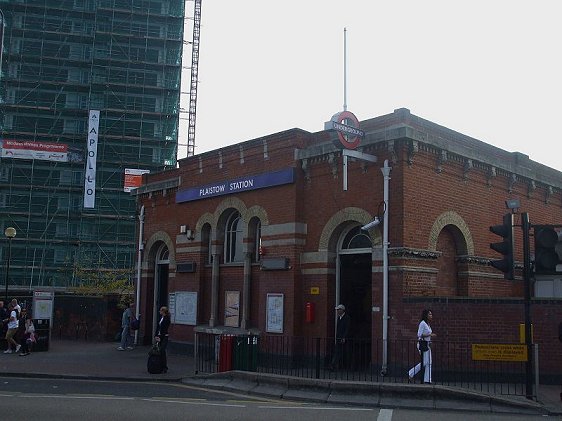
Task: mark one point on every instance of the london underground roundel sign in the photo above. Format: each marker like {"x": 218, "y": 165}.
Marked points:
{"x": 347, "y": 126}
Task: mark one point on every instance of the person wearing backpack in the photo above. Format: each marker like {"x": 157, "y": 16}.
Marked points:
{"x": 126, "y": 319}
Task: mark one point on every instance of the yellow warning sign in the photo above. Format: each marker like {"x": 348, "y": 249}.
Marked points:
{"x": 499, "y": 352}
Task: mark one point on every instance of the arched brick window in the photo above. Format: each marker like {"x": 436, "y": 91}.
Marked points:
{"x": 357, "y": 239}
{"x": 207, "y": 244}
{"x": 447, "y": 270}
{"x": 233, "y": 238}
{"x": 254, "y": 234}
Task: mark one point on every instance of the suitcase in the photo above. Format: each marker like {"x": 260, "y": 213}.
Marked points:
{"x": 154, "y": 364}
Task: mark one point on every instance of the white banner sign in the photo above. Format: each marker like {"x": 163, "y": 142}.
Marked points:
{"x": 34, "y": 150}
{"x": 90, "y": 180}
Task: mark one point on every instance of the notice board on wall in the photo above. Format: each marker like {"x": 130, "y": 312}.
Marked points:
{"x": 232, "y": 308}
{"x": 183, "y": 307}
{"x": 274, "y": 308}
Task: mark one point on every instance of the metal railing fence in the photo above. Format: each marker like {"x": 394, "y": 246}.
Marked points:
{"x": 361, "y": 360}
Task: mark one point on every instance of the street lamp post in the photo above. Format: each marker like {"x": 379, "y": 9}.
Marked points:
{"x": 10, "y": 233}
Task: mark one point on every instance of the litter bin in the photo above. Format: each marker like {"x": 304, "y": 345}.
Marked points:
{"x": 42, "y": 334}
{"x": 225, "y": 352}
{"x": 245, "y": 353}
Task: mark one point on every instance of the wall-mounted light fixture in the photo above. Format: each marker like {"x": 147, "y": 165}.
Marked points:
{"x": 189, "y": 233}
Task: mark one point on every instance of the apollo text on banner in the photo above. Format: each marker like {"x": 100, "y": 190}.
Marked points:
{"x": 90, "y": 173}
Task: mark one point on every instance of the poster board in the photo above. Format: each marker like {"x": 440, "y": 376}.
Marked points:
{"x": 274, "y": 308}
{"x": 42, "y": 306}
{"x": 232, "y": 308}
{"x": 185, "y": 308}
{"x": 43, "y": 309}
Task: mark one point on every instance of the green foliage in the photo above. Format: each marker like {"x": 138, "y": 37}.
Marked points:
{"x": 94, "y": 278}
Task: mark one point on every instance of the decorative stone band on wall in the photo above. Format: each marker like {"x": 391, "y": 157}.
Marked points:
{"x": 347, "y": 215}
{"x": 318, "y": 271}
{"x": 317, "y": 257}
{"x": 484, "y": 261}
{"x": 414, "y": 269}
{"x": 413, "y": 253}
{"x": 452, "y": 218}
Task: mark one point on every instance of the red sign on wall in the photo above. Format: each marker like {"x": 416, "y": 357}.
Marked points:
{"x": 347, "y": 126}
{"x": 133, "y": 179}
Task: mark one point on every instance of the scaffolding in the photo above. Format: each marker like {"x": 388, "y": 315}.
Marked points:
{"x": 194, "y": 78}
{"x": 63, "y": 58}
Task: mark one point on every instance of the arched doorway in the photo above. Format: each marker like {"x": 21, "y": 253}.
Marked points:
{"x": 160, "y": 283}
{"x": 355, "y": 289}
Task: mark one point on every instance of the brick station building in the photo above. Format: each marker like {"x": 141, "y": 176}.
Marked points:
{"x": 262, "y": 237}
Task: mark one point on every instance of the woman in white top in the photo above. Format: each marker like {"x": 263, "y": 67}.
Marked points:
{"x": 424, "y": 334}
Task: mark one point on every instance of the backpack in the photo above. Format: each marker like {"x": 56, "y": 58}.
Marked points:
{"x": 135, "y": 324}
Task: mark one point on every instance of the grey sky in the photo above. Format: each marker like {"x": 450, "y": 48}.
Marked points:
{"x": 488, "y": 69}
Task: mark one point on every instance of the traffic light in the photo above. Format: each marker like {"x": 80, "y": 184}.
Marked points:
{"x": 505, "y": 247}
{"x": 546, "y": 250}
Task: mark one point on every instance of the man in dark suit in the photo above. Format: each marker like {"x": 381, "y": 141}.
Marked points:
{"x": 342, "y": 332}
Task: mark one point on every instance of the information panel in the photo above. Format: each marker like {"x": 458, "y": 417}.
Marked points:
{"x": 43, "y": 304}
{"x": 499, "y": 352}
{"x": 185, "y": 308}
{"x": 274, "y": 313}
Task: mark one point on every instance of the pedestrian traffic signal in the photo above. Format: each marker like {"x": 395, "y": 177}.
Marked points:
{"x": 547, "y": 249}
{"x": 505, "y": 247}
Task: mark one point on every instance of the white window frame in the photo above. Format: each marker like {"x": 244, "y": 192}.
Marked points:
{"x": 233, "y": 238}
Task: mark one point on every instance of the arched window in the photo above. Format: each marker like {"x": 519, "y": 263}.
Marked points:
{"x": 254, "y": 231}
{"x": 206, "y": 241}
{"x": 233, "y": 238}
{"x": 448, "y": 272}
{"x": 356, "y": 239}
{"x": 163, "y": 255}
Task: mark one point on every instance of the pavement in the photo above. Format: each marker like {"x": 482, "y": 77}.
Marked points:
{"x": 101, "y": 361}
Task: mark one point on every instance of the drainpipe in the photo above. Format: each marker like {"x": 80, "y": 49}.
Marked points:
{"x": 139, "y": 262}
{"x": 386, "y": 173}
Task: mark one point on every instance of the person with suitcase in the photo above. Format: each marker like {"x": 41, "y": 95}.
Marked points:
{"x": 158, "y": 362}
{"x": 154, "y": 363}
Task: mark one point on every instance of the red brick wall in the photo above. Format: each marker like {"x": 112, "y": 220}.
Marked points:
{"x": 470, "y": 299}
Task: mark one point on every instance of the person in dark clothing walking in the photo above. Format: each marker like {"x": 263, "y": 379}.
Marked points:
{"x": 342, "y": 332}
{"x": 3, "y": 317}
{"x": 162, "y": 335}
